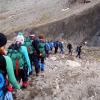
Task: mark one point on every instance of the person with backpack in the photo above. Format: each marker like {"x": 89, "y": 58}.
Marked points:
{"x": 30, "y": 49}
{"x": 42, "y": 53}
{"x": 35, "y": 43}
{"x": 24, "y": 51}
{"x": 56, "y": 46}
{"x": 6, "y": 72}
{"x": 47, "y": 48}
{"x": 51, "y": 44}
{"x": 78, "y": 50}
{"x": 21, "y": 63}
{"x": 61, "y": 46}
{"x": 69, "y": 47}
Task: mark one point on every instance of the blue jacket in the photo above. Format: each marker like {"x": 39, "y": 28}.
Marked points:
{"x": 56, "y": 43}
{"x": 25, "y": 53}
{"x": 47, "y": 46}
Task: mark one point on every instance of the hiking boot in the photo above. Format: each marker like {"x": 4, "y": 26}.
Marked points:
{"x": 37, "y": 74}
{"x": 30, "y": 73}
{"x": 24, "y": 85}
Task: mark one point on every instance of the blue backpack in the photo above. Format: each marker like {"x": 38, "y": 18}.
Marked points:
{"x": 2, "y": 83}
{"x": 47, "y": 46}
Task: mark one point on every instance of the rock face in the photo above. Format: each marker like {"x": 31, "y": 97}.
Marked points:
{"x": 16, "y": 15}
{"x": 8, "y": 5}
{"x": 79, "y": 23}
{"x": 81, "y": 26}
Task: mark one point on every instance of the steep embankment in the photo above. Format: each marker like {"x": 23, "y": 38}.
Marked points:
{"x": 80, "y": 22}
{"x": 78, "y": 25}
{"x": 19, "y": 14}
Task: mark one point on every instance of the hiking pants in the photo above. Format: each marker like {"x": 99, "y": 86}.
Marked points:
{"x": 51, "y": 48}
{"x": 56, "y": 49}
{"x": 36, "y": 64}
{"x": 70, "y": 51}
{"x": 41, "y": 62}
{"x": 47, "y": 53}
{"x": 22, "y": 74}
{"x": 6, "y": 96}
{"x": 78, "y": 54}
{"x": 2, "y": 97}
{"x": 62, "y": 50}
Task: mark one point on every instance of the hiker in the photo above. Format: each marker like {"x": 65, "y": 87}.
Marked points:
{"x": 56, "y": 45}
{"x": 6, "y": 72}
{"x": 51, "y": 45}
{"x": 42, "y": 53}
{"x": 20, "y": 40}
{"x": 35, "y": 43}
{"x": 47, "y": 48}
{"x": 69, "y": 47}
{"x": 21, "y": 63}
{"x": 30, "y": 49}
{"x": 61, "y": 46}
{"x": 78, "y": 50}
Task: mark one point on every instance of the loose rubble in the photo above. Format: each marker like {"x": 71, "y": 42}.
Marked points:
{"x": 66, "y": 78}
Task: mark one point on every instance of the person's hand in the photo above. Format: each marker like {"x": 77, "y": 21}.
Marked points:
{"x": 17, "y": 93}
{"x": 40, "y": 54}
{"x": 19, "y": 90}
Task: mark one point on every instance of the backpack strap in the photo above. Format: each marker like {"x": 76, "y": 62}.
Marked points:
{"x": 17, "y": 66}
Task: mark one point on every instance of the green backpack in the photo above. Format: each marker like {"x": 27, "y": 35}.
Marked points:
{"x": 28, "y": 44}
{"x": 16, "y": 56}
{"x": 41, "y": 47}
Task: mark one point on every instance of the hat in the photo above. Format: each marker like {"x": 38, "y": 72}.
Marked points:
{"x": 3, "y": 39}
{"x": 20, "y": 38}
{"x": 20, "y": 33}
{"x": 32, "y": 35}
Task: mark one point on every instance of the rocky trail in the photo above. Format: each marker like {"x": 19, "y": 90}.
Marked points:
{"x": 66, "y": 78}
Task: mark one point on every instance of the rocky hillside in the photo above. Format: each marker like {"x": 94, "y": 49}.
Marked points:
{"x": 73, "y": 18}
{"x": 16, "y": 14}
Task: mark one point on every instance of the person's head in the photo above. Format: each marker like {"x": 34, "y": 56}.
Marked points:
{"x": 80, "y": 46}
{"x": 85, "y": 43}
{"x": 27, "y": 32}
{"x": 20, "y": 34}
{"x": 32, "y": 36}
{"x": 20, "y": 38}
{"x": 41, "y": 37}
{"x": 3, "y": 41}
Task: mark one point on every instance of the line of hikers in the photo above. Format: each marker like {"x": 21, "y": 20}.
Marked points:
{"x": 16, "y": 65}
{"x": 56, "y": 45}
{"x": 78, "y": 49}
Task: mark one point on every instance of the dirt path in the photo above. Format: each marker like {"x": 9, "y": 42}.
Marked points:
{"x": 66, "y": 78}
